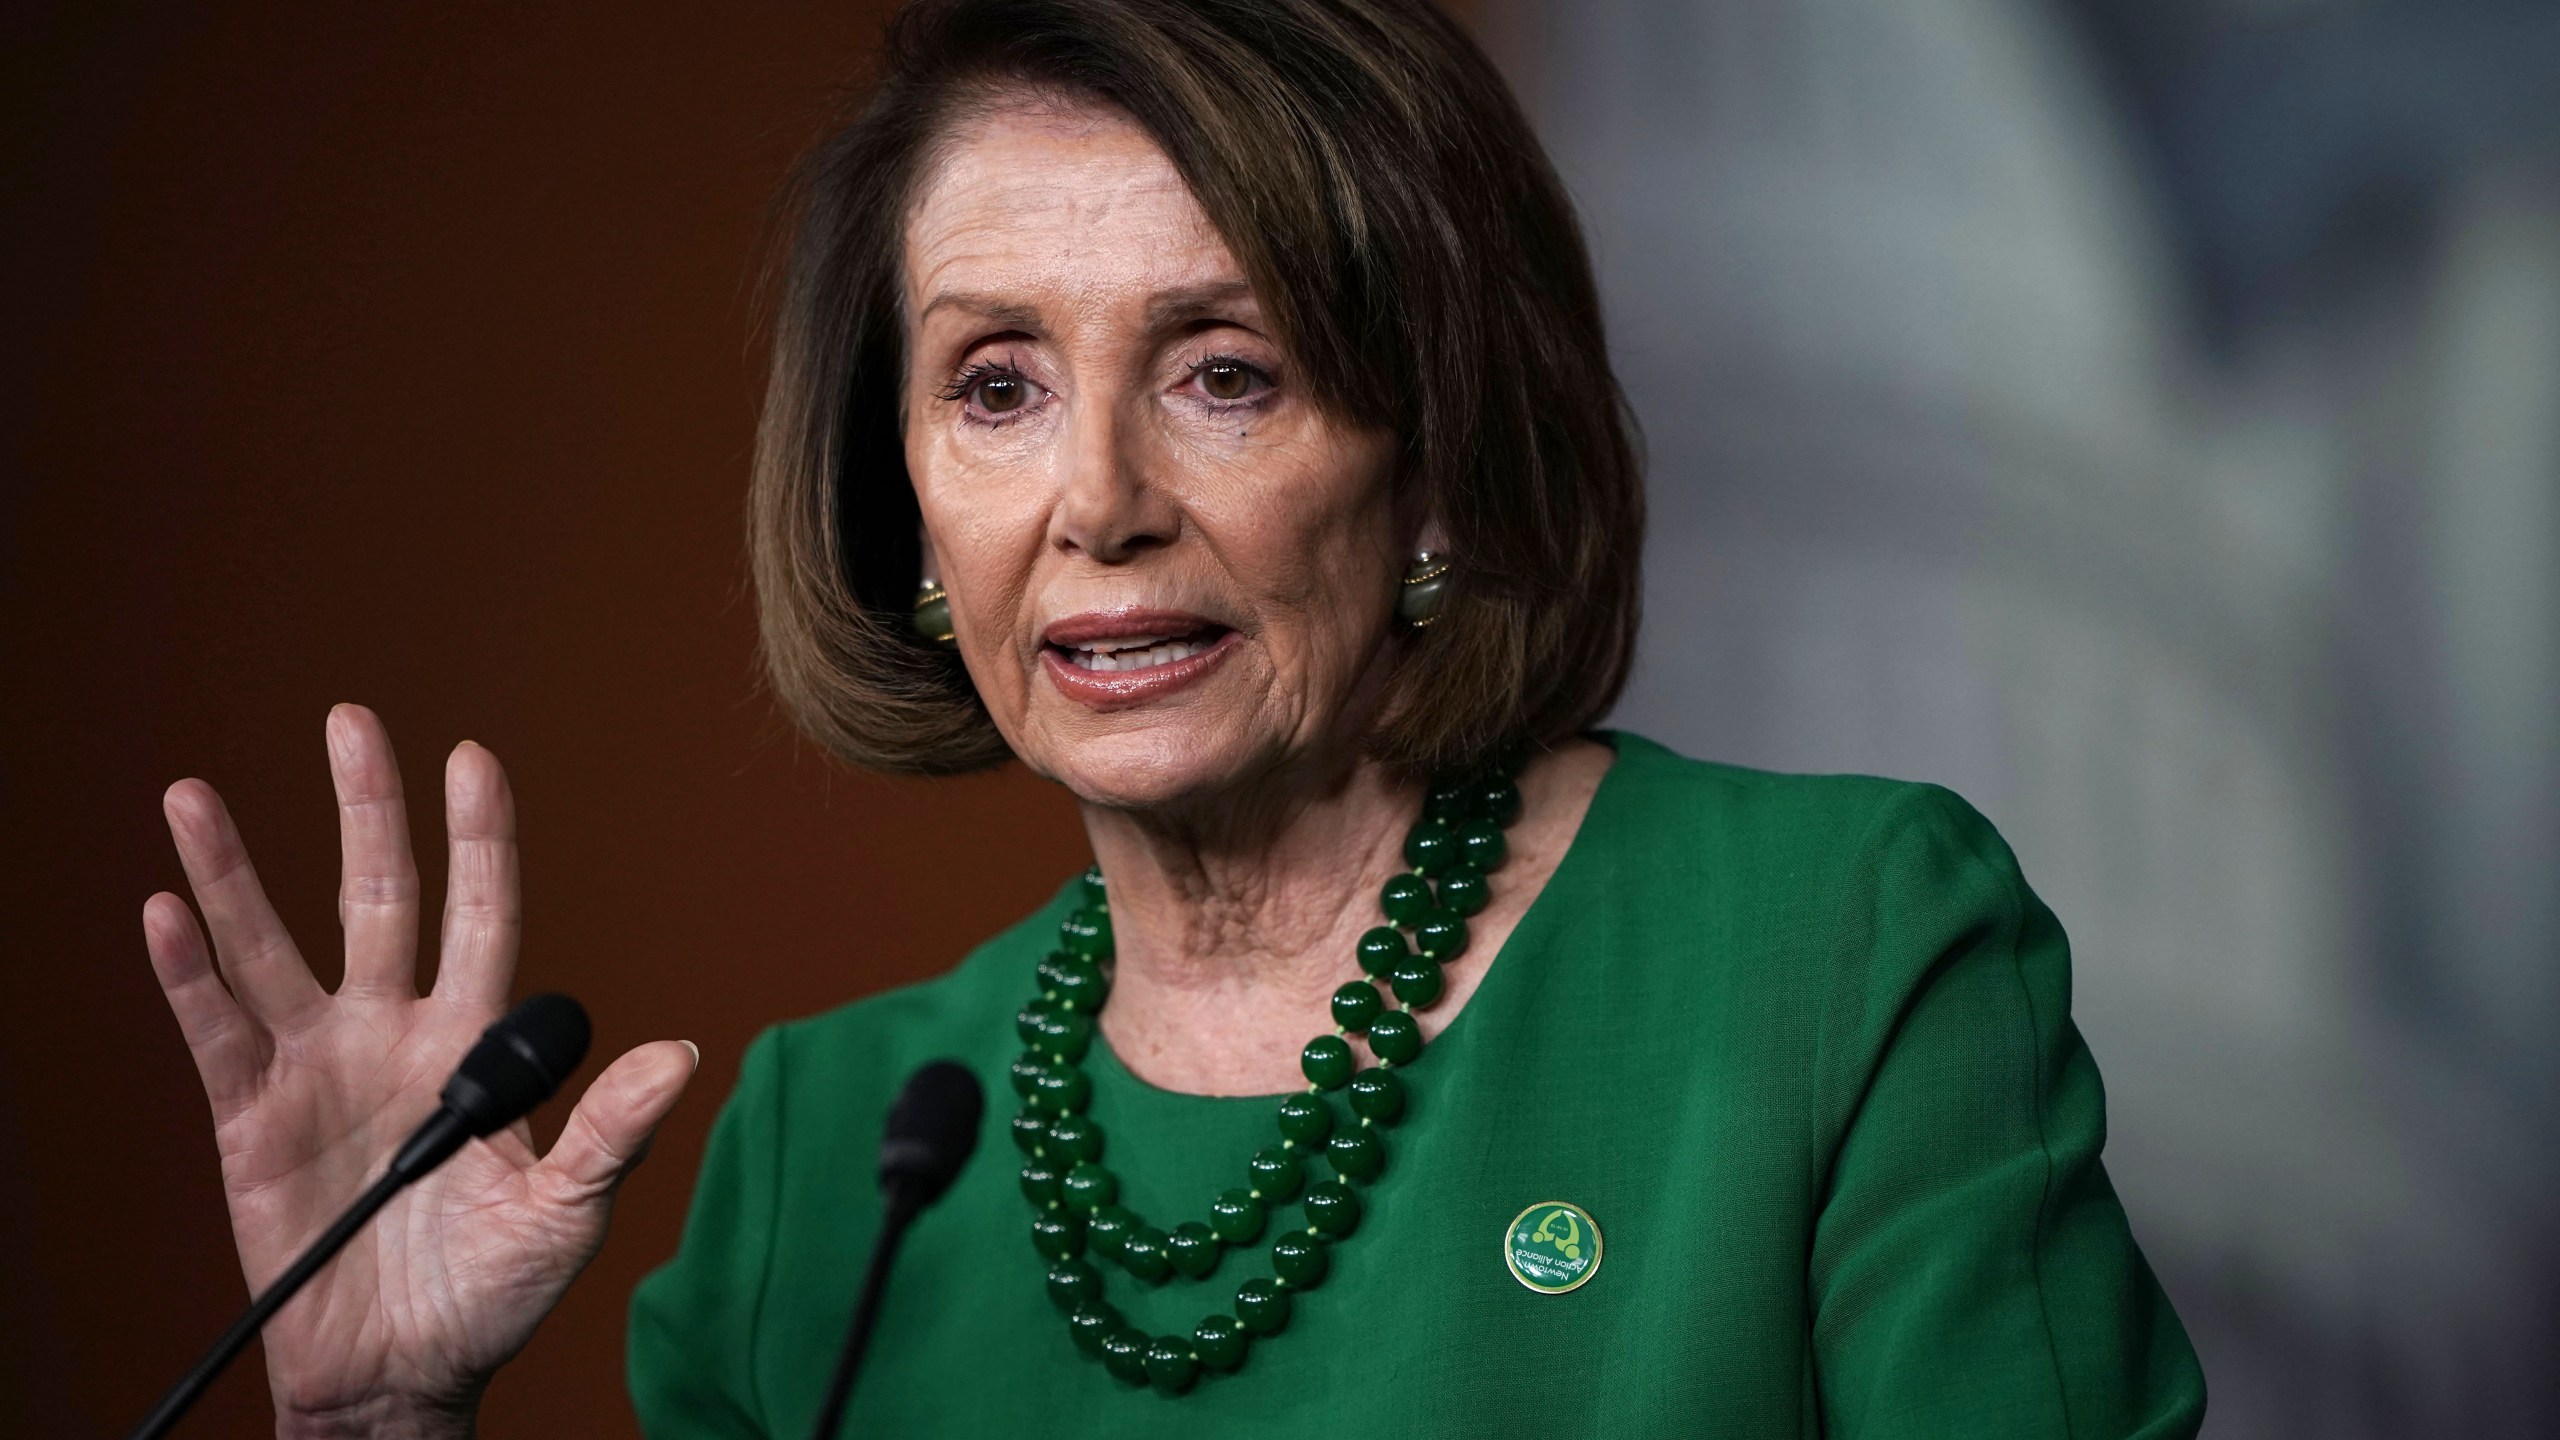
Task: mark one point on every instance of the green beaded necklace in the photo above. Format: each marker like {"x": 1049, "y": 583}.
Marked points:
{"x": 1455, "y": 844}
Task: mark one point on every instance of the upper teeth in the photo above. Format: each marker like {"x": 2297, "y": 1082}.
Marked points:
{"x": 1136, "y": 653}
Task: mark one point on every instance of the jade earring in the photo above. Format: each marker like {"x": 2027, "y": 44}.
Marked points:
{"x": 1418, "y": 599}
{"x": 933, "y": 614}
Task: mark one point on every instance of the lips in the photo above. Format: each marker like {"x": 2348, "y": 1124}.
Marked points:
{"x": 1113, "y": 659}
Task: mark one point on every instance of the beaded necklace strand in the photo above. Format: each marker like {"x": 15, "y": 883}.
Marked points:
{"x": 1455, "y": 844}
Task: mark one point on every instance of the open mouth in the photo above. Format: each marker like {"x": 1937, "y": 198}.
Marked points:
{"x": 1120, "y": 653}
{"x": 1111, "y": 660}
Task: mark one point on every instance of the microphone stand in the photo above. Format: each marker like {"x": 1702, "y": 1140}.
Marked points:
{"x": 900, "y": 1210}
{"x": 434, "y": 1141}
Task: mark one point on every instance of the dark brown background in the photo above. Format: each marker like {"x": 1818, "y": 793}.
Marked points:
{"x": 401, "y": 353}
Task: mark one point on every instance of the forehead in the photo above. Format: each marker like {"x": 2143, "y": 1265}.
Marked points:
{"x": 1047, "y": 202}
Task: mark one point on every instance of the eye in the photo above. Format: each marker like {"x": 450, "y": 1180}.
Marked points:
{"x": 1226, "y": 380}
{"x": 992, "y": 391}
{"x": 1001, "y": 393}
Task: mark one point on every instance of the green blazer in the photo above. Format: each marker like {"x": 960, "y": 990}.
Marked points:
{"x": 1798, "y": 1048}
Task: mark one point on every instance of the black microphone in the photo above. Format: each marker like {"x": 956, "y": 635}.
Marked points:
{"x": 516, "y": 1065}
{"x": 932, "y": 1129}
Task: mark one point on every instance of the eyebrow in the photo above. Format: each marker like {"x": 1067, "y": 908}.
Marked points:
{"x": 992, "y": 307}
{"x": 1163, "y": 312}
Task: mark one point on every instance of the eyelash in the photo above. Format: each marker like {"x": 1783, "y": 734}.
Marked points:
{"x": 977, "y": 373}
{"x": 1256, "y": 401}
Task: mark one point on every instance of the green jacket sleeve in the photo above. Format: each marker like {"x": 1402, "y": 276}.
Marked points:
{"x": 1972, "y": 1272}
{"x": 692, "y": 1338}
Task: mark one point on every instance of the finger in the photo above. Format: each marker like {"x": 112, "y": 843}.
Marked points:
{"x": 218, "y": 1032}
{"x": 608, "y": 1132}
{"x": 377, "y": 879}
{"x": 265, "y": 972}
{"x": 482, "y": 912}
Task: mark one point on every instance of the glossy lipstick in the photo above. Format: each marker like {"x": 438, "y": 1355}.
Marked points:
{"x": 1114, "y": 659}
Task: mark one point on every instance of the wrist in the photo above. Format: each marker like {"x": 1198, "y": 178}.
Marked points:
{"x": 384, "y": 1418}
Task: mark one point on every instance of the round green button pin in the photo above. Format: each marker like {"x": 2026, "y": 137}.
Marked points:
{"x": 1552, "y": 1247}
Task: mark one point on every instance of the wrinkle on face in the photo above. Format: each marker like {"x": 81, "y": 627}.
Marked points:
{"x": 1061, "y": 241}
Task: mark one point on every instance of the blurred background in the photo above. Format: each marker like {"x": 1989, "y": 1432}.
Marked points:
{"x": 2141, "y": 415}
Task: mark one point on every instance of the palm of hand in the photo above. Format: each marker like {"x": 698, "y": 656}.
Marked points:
{"x": 312, "y": 1092}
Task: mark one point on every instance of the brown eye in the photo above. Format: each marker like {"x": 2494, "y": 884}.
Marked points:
{"x": 999, "y": 394}
{"x": 1225, "y": 381}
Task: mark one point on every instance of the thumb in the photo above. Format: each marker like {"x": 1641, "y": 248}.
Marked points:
{"x": 609, "y": 1131}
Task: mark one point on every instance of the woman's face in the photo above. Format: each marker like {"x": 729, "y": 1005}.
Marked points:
{"x": 1169, "y": 570}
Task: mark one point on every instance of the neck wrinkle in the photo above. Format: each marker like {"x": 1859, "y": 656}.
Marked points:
{"x": 1269, "y": 891}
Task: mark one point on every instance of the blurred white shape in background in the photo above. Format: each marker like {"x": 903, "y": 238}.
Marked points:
{"x": 2254, "y": 657}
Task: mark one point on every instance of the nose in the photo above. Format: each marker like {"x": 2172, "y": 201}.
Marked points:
{"x": 1110, "y": 508}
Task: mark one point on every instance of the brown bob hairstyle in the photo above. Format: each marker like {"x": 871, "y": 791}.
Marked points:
{"x": 1397, "y": 219}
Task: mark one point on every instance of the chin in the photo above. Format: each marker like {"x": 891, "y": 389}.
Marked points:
{"x": 1128, "y": 762}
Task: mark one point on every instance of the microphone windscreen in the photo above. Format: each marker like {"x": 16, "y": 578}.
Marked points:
{"x": 518, "y": 1062}
{"x": 932, "y": 1128}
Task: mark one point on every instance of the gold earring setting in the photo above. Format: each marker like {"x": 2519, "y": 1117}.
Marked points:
{"x": 933, "y": 615}
{"x": 1425, "y": 581}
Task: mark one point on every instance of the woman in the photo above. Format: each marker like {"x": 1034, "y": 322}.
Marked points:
{"x": 1206, "y": 405}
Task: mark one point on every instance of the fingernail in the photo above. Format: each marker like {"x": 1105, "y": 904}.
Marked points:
{"x": 697, "y": 1052}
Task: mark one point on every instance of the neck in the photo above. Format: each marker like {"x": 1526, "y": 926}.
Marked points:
{"x": 1233, "y": 923}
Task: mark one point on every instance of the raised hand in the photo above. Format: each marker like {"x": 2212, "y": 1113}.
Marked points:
{"x": 312, "y": 1091}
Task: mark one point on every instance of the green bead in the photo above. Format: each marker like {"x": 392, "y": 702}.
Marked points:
{"x": 1030, "y": 1131}
{"x": 1464, "y": 891}
{"x": 1356, "y": 1155}
{"x": 1171, "y": 1367}
{"x": 1262, "y": 1305}
{"x": 1396, "y": 1037}
{"x": 1073, "y": 1138}
{"x": 1276, "y": 1173}
{"x": 1332, "y": 1209}
{"x": 1497, "y": 800}
{"x": 1236, "y": 1216}
{"x": 1095, "y": 896}
{"x": 1377, "y": 1096}
{"x": 1124, "y": 1354}
{"x": 1073, "y": 1284}
{"x": 1026, "y": 1073}
{"x": 1356, "y": 1004}
{"x": 1442, "y": 936}
{"x": 1306, "y": 1119}
{"x": 1090, "y": 1322}
{"x": 1086, "y": 933}
{"x": 1108, "y": 1229}
{"x": 1483, "y": 846}
{"x": 1449, "y": 801}
{"x": 1326, "y": 1061}
{"x": 1040, "y": 1184}
{"x": 1079, "y": 985}
{"x": 1193, "y": 1248}
{"x": 1062, "y": 1090}
{"x": 1090, "y": 1187}
{"x": 1298, "y": 1258}
{"x": 1417, "y": 982}
{"x": 1405, "y": 899}
{"x": 1431, "y": 847}
{"x": 1026, "y": 1021}
{"x": 1142, "y": 1254}
{"x": 1381, "y": 948}
{"x": 1219, "y": 1342}
{"x": 1058, "y": 1234}
{"x": 1060, "y": 1034}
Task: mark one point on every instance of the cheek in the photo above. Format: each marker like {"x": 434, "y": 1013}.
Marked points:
{"x": 1311, "y": 539}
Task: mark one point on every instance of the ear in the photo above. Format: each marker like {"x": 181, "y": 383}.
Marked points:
{"x": 932, "y": 566}
{"x": 1434, "y": 537}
